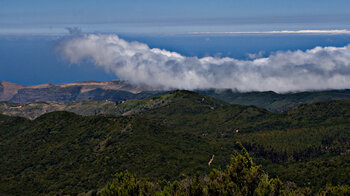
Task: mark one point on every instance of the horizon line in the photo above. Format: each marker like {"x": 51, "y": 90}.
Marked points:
{"x": 335, "y": 31}
{"x": 304, "y": 31}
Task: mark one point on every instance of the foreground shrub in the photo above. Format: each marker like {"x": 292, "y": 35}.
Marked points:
{"x": 240, "y": 177}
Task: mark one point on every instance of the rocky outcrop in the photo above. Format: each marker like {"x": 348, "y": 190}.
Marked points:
{"x": 8, "y": 90}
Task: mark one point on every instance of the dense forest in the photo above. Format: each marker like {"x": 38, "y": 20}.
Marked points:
{"x": 276, "y": 102}
{"x": 167, "y": 142}
{"x": 241, "y": 177}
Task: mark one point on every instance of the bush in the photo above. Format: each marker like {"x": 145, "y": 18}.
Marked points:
{"x": 240, "y": 177}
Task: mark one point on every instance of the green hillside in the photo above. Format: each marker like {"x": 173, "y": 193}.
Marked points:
{"x": 171, "y": 136}
{"x": 91, "y": 107}
{"x": 277, "y": 102}
{"x": 125, "y": 103}
{"x": 86, "y": 108}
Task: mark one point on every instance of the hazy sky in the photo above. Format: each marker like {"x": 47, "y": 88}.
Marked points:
{"x": 180, "y": 16}
{"x": 304, "y": 44}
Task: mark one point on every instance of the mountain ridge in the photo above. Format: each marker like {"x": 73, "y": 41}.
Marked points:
{"x": 118, "y": 90}
{"x": 76, "y": 91}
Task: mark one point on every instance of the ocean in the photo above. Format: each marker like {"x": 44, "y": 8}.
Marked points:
{"x": 33, "y": 60}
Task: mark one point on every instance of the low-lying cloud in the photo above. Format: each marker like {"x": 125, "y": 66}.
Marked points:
{"x": 315, "y": 69}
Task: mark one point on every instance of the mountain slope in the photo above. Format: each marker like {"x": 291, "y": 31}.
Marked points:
{"x": 115, "y": 90}
{"x": 276, "y": 102}
{"x": 62, "y": 152}
{"x": 127, "y": 107}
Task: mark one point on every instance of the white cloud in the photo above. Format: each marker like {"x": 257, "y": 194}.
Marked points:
{"x": 314, "y": 69}
{"x": 260, "y": 54}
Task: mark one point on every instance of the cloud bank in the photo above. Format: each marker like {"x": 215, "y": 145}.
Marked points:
{"x": 315, "y": 69}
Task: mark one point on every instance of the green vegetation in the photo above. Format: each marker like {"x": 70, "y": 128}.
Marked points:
{"x": 277, "y": 102}
{"x": 173, "y": 136}
{"x": 87, "y": 108}
{"x": 240, "y": 177}
{"x": 116, "y": 102}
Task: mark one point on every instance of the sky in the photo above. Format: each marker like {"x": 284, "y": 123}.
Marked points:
{"x": 180, "y": 16}
{"x": 246, "y": 45}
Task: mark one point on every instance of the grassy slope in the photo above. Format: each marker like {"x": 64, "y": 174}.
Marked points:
{"x": 176, "y": 134}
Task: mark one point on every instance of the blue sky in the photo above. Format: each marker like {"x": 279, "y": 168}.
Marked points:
{"x": 180, "y": 16}
{"x": 31, "y": 30}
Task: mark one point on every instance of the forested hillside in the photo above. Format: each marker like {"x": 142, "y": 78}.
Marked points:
{"x": 241, "y": 177}
{"x": 276, "y": 102}
{"x": 62, "y": 152}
